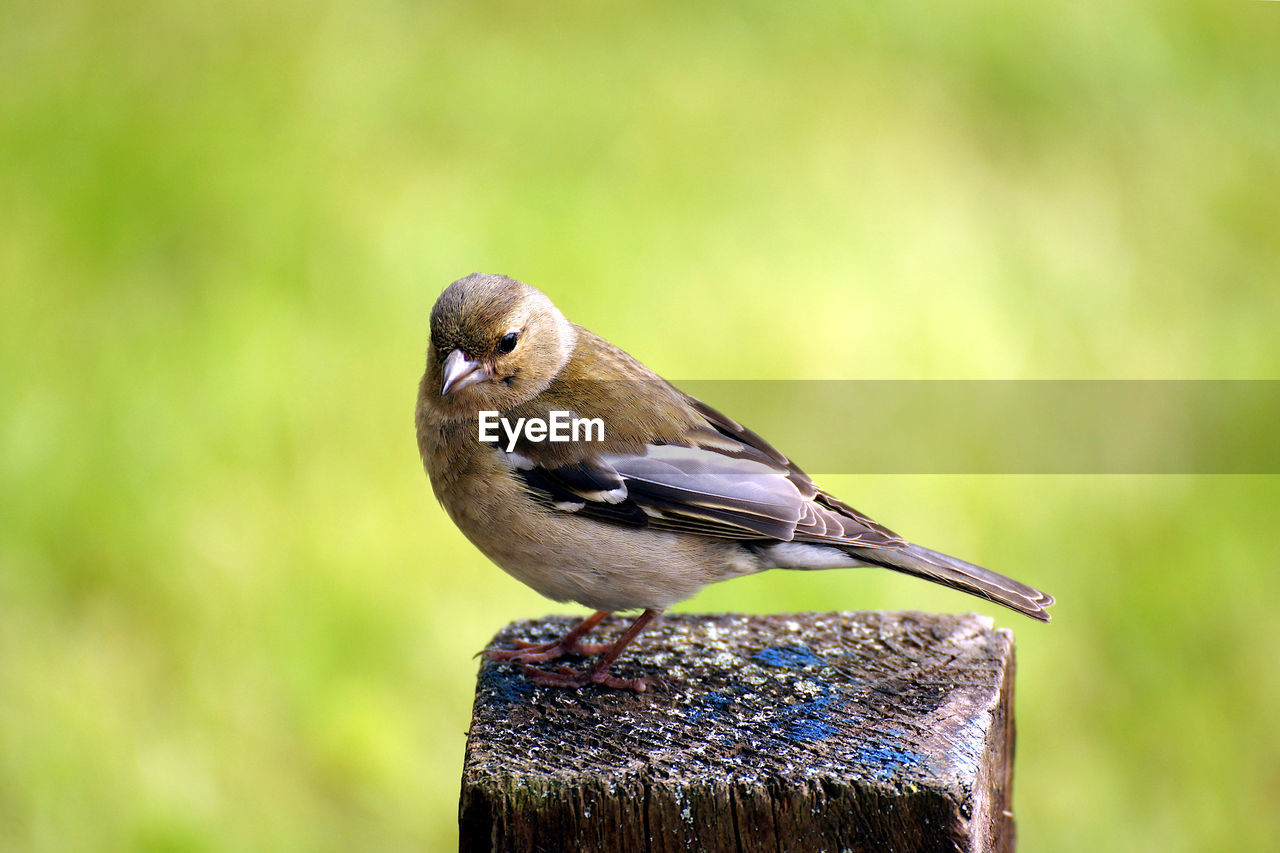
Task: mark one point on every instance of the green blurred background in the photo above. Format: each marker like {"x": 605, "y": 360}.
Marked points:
{"x": 232, "y": 616}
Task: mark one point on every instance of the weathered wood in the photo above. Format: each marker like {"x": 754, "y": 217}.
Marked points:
{"x": 866, "y": 731}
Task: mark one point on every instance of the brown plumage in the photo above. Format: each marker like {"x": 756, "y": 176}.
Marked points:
{"x": 673, "y": 496}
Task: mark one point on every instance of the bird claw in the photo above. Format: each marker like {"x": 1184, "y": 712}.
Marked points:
{"x": 541, "y": 652}
{"x": 563, "y": 676}
{"x": 571, "y": 644}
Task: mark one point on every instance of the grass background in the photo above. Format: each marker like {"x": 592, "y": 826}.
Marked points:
{"x": 232, "y": 616}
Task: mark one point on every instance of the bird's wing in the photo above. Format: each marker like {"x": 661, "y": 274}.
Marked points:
{"x": 717, "y": 479}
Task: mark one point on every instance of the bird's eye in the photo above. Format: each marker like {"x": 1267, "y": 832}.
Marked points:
{"x": 508, "y": 342}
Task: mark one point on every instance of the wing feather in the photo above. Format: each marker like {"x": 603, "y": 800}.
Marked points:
{"x": 721, "y": 480}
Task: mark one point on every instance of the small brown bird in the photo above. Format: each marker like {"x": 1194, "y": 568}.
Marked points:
{"x": 650, "y": 496}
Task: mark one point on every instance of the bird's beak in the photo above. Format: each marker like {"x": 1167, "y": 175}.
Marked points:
{"x": 460, "y": 371}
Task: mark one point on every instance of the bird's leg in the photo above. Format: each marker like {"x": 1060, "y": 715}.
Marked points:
{"x": 570, "y": 644}
{"x": 599, "y": 671}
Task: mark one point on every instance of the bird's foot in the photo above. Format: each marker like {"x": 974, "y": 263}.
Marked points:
{"x": 539, "y": 652}
{"x": 563, "y": 676}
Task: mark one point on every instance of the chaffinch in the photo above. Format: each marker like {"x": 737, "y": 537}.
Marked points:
{"x": 651, "y": 496}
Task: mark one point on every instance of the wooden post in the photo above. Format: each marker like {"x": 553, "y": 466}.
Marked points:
{"x": 862, "y": 731}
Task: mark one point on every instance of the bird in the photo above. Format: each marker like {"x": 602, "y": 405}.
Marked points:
{"x": 670, "y": 496}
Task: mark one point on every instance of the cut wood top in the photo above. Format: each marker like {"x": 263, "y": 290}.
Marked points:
{"x": 894, "y": 701}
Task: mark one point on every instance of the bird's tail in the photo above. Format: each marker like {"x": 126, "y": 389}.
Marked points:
{"x": 957, "y": 574}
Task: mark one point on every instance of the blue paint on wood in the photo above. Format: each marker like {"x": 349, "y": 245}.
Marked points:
{"x": 788, "y": 657}
{"x": 808, "y": 721}
{"x": 887, "y": 761}
{"x": 506, "y": 684}
{"x": 808, "y": 731}
{"x": 712, "y": 704}
{"x": 804, "y": 722}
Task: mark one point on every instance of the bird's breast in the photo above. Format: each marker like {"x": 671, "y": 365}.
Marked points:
{"x": 567, "y": 557}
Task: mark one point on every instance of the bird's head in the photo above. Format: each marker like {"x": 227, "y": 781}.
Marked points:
{"x": 495, "y": 343}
